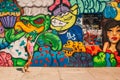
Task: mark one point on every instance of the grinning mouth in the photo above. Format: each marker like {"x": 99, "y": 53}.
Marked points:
{"x": 57, "y": 23}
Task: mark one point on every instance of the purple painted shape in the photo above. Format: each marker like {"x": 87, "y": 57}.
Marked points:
{"x": 14, "y": 20}
{"x": 3, "y": 22}
{"x": 61, "y": 9}
{"x": 11, "y": 21}
{"x": 64, "y": 9}
{"x": 57, "y": 12}
{"x": 8, "y": 21}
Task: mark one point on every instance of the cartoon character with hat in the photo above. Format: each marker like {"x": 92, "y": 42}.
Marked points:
{"x": 63, "y": 20}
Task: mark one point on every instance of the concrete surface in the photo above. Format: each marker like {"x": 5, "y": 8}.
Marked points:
{"x": 60, "y": 73}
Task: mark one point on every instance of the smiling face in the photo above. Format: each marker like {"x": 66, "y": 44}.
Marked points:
{"x": 114, "y": 34}
{"x": 65, "y": 20}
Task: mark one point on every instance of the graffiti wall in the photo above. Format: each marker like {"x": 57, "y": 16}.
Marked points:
{"x": 63, "y": 33}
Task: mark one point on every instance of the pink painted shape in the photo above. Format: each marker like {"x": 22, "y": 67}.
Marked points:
{"x": 8, "y": 57}
{"x": 3, "y": 55}
{"x": 5, "y": 59}
{"x": 57, "y": 2}
{"x": 10, "y": 63}
{"x": 66, "y": 2}
{"x": 1, "y": 61}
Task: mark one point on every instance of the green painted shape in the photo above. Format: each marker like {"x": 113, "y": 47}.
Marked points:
{"x": 113, "y": 60}
{"x": 31, "y": 20}
{"x": 11, "y": 36}
{"x": 22, "y": 43}
{"x": 36, "y": 47}
{"x": 51, "y": 39}
{"x": 10, "y": 46}
{"x": 99, "y": 60}
{"x": 34, "y": 34}
{"x": 18, "y": 62}
{"x": 90, "y": 6}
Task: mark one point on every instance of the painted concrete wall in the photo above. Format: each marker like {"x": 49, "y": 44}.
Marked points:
{"x": 76, "y": 33}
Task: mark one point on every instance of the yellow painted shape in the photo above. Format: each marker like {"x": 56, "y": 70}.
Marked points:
{"x": 72, "y": 47}
{"x": 115, "y": 5}
{"x": 69, "y": 19}
{"x": 28, "y": 28}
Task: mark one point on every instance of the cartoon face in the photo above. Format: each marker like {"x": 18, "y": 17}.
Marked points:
{"x": 37, "y": 23}
{"x": 64, "y": 20}
{"x": 114, "y": 34}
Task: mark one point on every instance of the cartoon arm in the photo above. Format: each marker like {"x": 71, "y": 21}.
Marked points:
{"x": 106, "y": 45}
{"x": 12, "y": 36}
{"x": 51, "y": 40}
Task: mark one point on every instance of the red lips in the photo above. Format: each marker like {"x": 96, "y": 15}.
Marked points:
{"x": 114, "y": 38}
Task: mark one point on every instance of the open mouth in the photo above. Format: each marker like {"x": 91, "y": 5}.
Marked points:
{"x": 114, "y": 38}
{"x": 57, "y": 23}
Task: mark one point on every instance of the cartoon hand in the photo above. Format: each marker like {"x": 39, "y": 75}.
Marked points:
{"x": 51, "y": 40}
{"x": 11, "y": 35}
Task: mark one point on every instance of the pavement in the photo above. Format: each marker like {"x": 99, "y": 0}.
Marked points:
{"x": 60, "y": 73}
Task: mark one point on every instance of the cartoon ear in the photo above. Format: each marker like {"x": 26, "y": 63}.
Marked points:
{"x": 74, "y": 9}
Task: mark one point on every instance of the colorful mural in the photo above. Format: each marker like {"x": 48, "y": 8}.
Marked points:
{"x": 65, "y": 33}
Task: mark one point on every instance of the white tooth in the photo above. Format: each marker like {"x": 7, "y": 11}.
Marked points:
{"x": 60, "y": 22}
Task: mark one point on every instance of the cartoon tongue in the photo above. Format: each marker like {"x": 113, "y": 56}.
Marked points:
{"x": 114, "y": 38}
